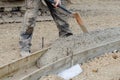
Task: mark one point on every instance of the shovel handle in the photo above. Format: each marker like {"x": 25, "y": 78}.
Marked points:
{"x": 80, "y": 22}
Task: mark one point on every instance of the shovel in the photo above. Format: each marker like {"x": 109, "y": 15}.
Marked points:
{"x": 75, "y": 15}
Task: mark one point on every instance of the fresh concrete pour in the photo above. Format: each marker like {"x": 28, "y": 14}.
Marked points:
{"x": 105, "y": 67}
{"x": 92, "y": 43}
{"x": 77, "y": 43}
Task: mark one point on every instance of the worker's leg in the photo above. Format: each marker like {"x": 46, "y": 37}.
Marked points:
{"x": 28, "y": 25}
{"x": 60, "y": 20}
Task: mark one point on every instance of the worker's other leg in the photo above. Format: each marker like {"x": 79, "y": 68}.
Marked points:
{"x": 28, "y": 26}
{"x": 59, "y": 18}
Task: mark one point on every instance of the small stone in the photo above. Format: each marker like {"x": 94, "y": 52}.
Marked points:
{"x": 95, "y": 70}
{"x": 114, "y": 56}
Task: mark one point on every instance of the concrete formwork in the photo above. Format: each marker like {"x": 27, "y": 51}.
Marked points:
{"x": 25, "y": 68}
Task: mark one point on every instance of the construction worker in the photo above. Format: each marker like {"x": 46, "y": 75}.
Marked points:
{"x": 30, "y": 19}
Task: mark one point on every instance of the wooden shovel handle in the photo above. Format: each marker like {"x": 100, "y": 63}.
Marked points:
{"x": 80, "y": 22}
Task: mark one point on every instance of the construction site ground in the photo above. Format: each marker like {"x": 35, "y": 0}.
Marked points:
{"x": 96, "y": 14}
{"x": 105, "y": 67}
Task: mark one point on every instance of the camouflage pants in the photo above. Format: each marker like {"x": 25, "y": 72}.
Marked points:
{"x": 30, "y": 20}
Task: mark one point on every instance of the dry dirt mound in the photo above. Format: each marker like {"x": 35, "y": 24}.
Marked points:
{"x": 78, "y": 43}
{"x": 106, "y": 67}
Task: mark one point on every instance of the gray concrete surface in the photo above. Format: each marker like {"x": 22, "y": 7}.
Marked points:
{"x": 77, "y": 43}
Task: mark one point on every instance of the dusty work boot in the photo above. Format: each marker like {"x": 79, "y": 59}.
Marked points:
{"x": 66, "y": 35}
{"x": 24, "y": 53}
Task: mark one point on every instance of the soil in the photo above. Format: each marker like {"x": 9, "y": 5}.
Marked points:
{"x": 51, "y": 77}
{"x": 96, "y": 15}
{"x": 105, "y": 67}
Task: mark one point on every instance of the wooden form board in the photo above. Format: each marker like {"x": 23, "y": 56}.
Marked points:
{"x": 77, "y": 58}
{"x": 19, "y": 19}
{"x": 21, "y": 63}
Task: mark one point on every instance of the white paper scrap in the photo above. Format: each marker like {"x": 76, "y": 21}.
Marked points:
{"x": 71, "y": 72}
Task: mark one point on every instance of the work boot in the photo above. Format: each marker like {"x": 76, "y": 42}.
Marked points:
{"x": 24, "y": 53}
{"x": 66, "y": 35}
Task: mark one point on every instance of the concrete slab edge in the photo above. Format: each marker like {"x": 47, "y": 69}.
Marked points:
{"x": 70, "y": 60}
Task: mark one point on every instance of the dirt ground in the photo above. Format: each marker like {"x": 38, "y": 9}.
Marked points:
{"x": 105, "y": 67}
{"x": 96, "y": 14}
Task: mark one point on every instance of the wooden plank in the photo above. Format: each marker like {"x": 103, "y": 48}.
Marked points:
{"x": 21, "y": 63}
{"x": 19, "y": 19}
{"x": 77, "y": 58}
{"x": 80, "y": 22}
{"x": 54, "y": 67}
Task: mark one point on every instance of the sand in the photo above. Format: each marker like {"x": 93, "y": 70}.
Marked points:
{"x": 51, "y": 77}
{"x": 106, "y": 67}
